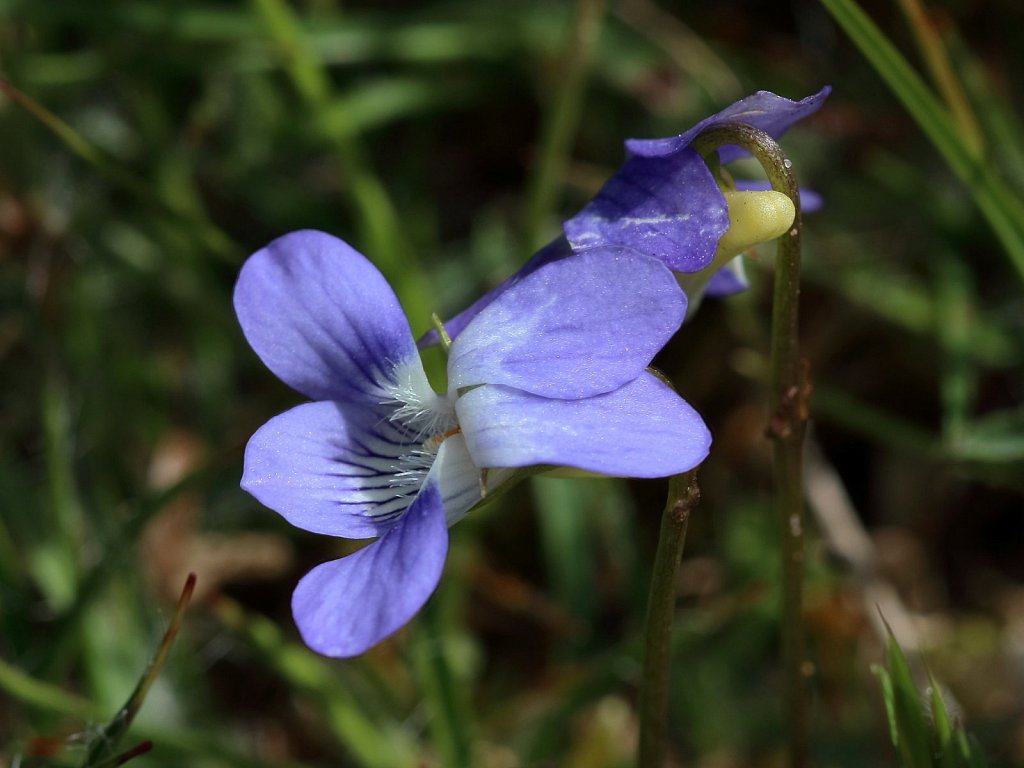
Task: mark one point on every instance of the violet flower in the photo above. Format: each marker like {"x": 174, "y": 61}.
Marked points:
{"x": 665, "y": 202}
{"x": 552, "y": 372}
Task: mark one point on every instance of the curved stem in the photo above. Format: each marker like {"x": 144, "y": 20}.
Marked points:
{"x": 683, "y": 496}
{"x": 789, "y": 394}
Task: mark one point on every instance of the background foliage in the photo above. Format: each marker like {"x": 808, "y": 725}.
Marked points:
{"x": 150, "y": 146}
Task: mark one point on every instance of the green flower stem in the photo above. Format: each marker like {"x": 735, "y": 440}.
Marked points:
{"x": 683, "y": 496}
{"x": 789, "y": 394}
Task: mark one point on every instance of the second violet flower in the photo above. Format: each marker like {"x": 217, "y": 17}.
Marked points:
{"x": 551, "y": 372}
{"x": 665, "y": 202}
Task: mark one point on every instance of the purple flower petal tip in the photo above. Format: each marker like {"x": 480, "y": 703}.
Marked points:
{"x": 643, "y": 429}
{"x": 765, "y": 110}
{"x": 321, "y": 316}
{"x": 729, "y": 280}
{"x": 345, "y": 607}
{"x": 663, "y": 201}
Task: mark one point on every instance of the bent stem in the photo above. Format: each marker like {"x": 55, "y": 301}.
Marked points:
{"x": 790, "y": 390}
{"x": 683, "y": 496}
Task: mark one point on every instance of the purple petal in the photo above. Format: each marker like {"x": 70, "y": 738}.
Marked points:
{"x": 573, "y": 328}
{"x": 728, "y": 280}
{"x": 556, "y": 249}
{"x": 329, "y": 467}
{"x": 666, "y": 207}
{"x": 810, "y": 201}
{"x": 322, "y": 318}
{"x": 643, "y": 429}
{"x": 772, "y": 114}
{"x": 344, "y": 607}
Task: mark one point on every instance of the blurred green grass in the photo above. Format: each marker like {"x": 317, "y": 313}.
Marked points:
{"x": 445, "y": 140}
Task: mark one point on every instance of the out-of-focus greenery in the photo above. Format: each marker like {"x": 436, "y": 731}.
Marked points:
{"x": 939, "y": 742}
{"x": 147, "y": 146}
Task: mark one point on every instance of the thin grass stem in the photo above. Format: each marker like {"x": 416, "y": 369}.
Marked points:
{"x": 101, "y": 750}
{"x": 561, "y": 120}
{"x": 936, "y": 57}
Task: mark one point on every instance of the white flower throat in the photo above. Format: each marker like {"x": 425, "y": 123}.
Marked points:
{"x": 425, "y": 418}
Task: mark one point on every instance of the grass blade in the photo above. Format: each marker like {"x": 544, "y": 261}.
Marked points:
{"x": 1004, "y": 211}
{"x": 936, "y": 57}
{"x": 561, "y": 120}
{"x": 911, "y": 729}
{"x": 380, "y": 228}
{"x": 947, "y": 757}
{"x": 370, "y": 744}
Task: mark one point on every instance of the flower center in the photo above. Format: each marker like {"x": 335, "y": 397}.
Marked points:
{"x": 424, "y": 419}
{"x": 436, "y": 440}
{"x": 415, "y": 405}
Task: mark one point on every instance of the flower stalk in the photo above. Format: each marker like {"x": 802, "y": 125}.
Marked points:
{"x": 683, "y": 495}
{"x": 789, "y": 393}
